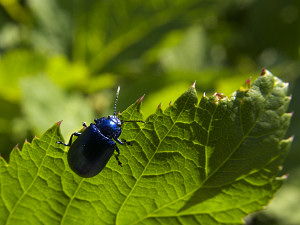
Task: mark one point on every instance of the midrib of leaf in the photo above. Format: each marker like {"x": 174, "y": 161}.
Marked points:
{"x": 208, "y": 177}
{"x": 71, "y": 200}
{"x": 137, "y": 181}
{"x": 31, "y": 184}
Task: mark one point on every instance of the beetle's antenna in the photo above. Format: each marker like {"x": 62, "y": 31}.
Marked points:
{"x": 133, "y": 121}
{"x": 117, "y": 96}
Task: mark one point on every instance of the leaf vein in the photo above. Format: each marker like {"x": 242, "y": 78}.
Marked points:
{"x": 137, "y": 181}
{"x": 70, "y": 202}
{"x": 31, "y": 184}
{"x": 207, "y": 178}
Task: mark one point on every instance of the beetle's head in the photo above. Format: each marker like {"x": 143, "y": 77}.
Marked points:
{"x": 109, "y": 126}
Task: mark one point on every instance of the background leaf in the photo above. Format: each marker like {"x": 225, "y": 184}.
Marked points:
{"x": 207, "y": 163}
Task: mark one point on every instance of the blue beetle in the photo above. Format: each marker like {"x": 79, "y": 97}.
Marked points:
{"x": 90, "y": 152}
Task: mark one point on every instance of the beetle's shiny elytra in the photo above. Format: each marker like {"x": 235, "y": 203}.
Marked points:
{"x": 90, "y": 152}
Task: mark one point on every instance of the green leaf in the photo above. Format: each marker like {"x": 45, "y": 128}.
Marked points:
{"x": 211, "y": 162}
{"x": 13, "y": 66}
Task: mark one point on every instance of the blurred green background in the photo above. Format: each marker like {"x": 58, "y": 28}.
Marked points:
{"x": 63, "y": 60}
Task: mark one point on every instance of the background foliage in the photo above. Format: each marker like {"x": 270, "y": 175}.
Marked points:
{"x": 64, "y": 59}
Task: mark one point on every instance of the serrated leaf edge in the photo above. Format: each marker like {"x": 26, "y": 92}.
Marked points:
{"x": 33, "y": 181}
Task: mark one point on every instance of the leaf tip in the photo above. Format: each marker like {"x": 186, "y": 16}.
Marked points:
{"x": 246, "y": 86}
{"x": 291, "y": 139}
{"x": 248, "y": 83}
{"x": 141, "y": 99}
{"x": 283, "y": 177}
{"x": 194, "y": 85}
{"x": 265, "y": 72}
{"x": 59, "y": 123}
{"x": 159, "y": 106}
{"x": 26, "y": 141}
{"x": 16, "y": 147}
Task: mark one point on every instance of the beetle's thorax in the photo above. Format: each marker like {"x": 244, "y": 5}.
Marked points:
{"x": 109, "y": 126}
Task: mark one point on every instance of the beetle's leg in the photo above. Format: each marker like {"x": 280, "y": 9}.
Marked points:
{"x": 117, "y": 156}
{"x": 119, "y": 141}
{"x": 122, "y": 142}
{"x": 70, "y": 141}
{"x": 84, "y": 124}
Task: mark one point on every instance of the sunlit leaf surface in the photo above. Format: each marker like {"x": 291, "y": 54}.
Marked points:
{"x": 212, "y": 161}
